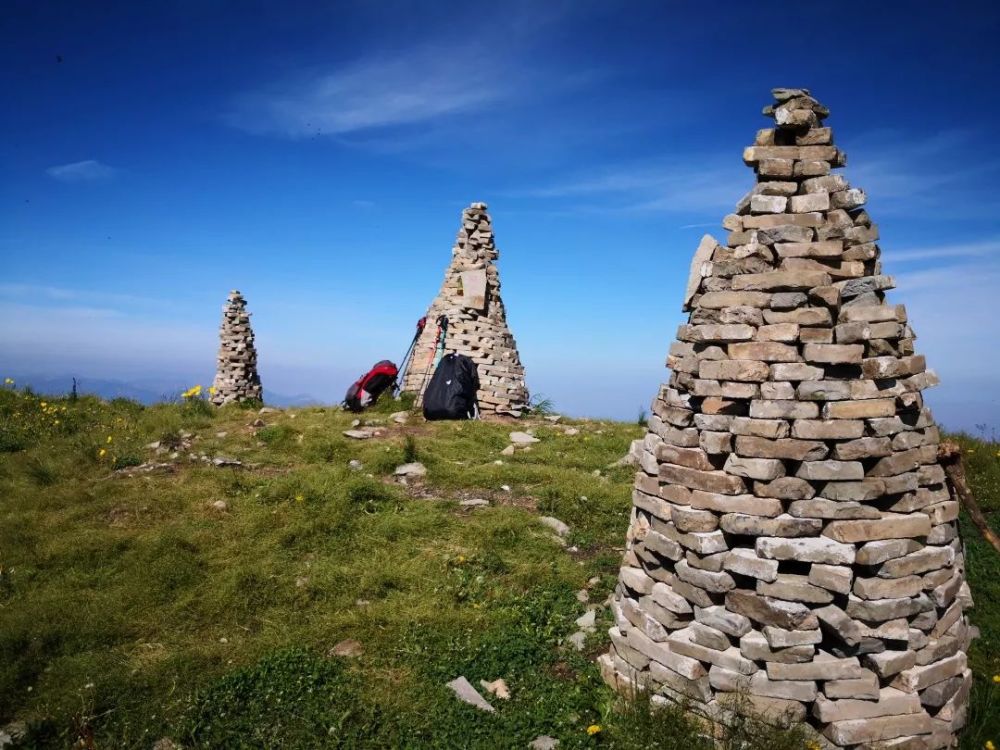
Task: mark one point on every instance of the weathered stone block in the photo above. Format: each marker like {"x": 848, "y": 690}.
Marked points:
{"x": 816, "y": 550}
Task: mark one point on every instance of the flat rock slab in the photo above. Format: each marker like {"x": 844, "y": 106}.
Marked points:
{"x": 476, "y": 502}
{"x": 415, "y": 469}
{"x": 555, "y": 524}
{"x": 359, "y": 434}
{"x": 523, "y": 438}
{"x": 468, "y": 694}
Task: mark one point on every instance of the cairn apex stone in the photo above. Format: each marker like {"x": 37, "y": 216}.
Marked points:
{"x": 236, "y": 377}
{"x": 476, "y": 322}
{"x": 793, "y": 536}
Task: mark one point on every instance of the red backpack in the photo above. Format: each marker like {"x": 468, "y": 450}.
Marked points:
{"x": 366, "y": 389}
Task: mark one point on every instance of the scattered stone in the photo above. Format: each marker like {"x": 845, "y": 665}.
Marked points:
{"x": 363, "y": 434}
{"x": 587, "y": 620}
{"x": 355, "y": 465}
{"x": 415, "y": 469}
{"x": 497, "y": 687}
{"x": 555, "y": 524}
{"x": 543, "y": 742}
{"x": 523, "y": 438}
{"x": 220, "y": 505}
{"x": 468, "y": 694}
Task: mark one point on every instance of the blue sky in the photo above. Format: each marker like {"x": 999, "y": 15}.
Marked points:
{"x": 317, "y": 156}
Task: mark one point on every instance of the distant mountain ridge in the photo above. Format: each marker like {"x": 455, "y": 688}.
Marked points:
{"x": 148, "y": 392}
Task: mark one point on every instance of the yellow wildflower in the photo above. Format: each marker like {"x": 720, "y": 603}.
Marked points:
{"x": 211, "y": 389}
{"x": 56, "y": 422}
{"x": 101, "y": 453}
{"x": 299, "y": 498}
{"x": 813, "y": 745}
{"x": 996, "y": 679}
{"x": 593, "y": 729}
{"x": 109, "y": 438}
{"x": 460, "y": 559}
{"x": 8, "y": 381}
{"x": 43, "y": 404}
{"x": 989, "y": 745}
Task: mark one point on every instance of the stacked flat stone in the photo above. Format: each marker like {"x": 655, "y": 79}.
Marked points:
{"x": 792, "y": 535}
{"x": 476, "y": 328}
{"x": 236, "y": 377}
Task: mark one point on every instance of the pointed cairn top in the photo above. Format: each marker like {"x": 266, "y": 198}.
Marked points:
{"x": 475, "y": 241}
{"x": 796, "y": 109}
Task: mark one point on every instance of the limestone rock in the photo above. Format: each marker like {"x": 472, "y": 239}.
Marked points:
{"x": 236, "y": 377}
{"x": 469, "y": 300}
{"x": 788, "y": 490}
{"x": 468, "y": 694}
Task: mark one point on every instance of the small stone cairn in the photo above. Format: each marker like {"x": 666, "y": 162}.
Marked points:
{"x": 793, "y": 537}
{"x": 477, "y": 321}
{"x": 236, "y": 377}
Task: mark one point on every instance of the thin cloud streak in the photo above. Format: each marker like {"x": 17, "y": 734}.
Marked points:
{"x": 417, "y": 86}
{"x": 908, "y": 174}
{"x": 703, "y": 185}
{"x": 89, "y": 170}
{"x": 989, "y": 248}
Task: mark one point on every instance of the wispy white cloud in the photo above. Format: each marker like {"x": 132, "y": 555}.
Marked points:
{"x": 932, "y": 173}
{"x": 414, "y": 86}
{"x": 89, "y": 170}
{"x": 986, "y": 249}
{"x": 700, "y": 184}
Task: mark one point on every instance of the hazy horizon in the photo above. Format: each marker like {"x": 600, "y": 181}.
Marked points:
{"x": 317, "y": 158}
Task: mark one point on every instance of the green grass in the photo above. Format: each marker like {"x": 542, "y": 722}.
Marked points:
{"x": 133, "y": 609}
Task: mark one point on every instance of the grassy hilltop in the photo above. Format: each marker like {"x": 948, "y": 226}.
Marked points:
{"x": 172, "y": 593}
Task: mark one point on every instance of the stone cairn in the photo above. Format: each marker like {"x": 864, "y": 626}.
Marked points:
{"x": 236, "y": 377}
{"x": 477, "y": 322}
{"x": 793, "y": 539}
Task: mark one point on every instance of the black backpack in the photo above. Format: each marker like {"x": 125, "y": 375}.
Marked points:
{"x": 451, "y": 394}
{"x": 365, "y": 390}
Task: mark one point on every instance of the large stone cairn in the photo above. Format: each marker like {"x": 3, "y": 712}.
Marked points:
{"x": 236, "y": 377}
{"x": 477, "y": 325}
{"x": 792, "y": 537}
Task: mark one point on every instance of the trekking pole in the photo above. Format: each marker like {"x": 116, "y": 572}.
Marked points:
{"x": 409, "y": 351}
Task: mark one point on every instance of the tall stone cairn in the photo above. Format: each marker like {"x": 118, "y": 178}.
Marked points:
{"x": 477, "y": 321}
{"x": 236, "y": 377}
{"x": 792, "y": 535}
